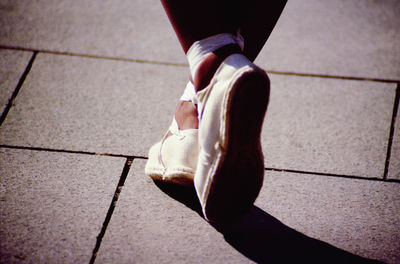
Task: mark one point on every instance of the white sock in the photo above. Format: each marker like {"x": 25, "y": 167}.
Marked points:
{"x": 200, "y": 49}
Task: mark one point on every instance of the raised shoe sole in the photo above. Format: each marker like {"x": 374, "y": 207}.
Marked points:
{"x": 235, "y": 177}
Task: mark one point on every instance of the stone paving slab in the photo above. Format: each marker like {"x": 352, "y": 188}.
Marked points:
{"x": 341, "y": 37}
{"x": 76, "y": 103}
{"x": 136, "y": 29}
{"x": 94, "y": 105}
{"x": 359, "y": 216}
{"x": 12, "y": 66}
{"x": 356, "y": 38}
{"x": 53, "y": 204}
{"x": 327, "y": 125}
{"x": 394, "y": 167}
{"x": 149, "y": 227}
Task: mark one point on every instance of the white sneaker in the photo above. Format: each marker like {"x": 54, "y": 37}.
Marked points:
{"x": 230, "y": 167}
{"x": 174, "y": 158}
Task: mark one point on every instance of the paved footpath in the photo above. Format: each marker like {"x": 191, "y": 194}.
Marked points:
{"x": 86, "y": 87}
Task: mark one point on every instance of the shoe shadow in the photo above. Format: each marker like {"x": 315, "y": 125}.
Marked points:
{"x": 183, "y": 194}
{"x": 264, "y": 239}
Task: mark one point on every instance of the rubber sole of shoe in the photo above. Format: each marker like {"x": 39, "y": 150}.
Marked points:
{"x": 240, "y": 170}
{"x": 179, "y": 178}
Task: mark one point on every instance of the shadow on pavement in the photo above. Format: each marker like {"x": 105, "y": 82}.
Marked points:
{"x": 264, "y": 239}
{"x": 185, "y": 195}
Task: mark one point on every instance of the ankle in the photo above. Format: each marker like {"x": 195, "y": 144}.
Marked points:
{"x": 186, "y": 115}
{"x": 210, "y": 64}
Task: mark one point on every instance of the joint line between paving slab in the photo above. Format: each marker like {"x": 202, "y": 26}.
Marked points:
{"x": 337, "y": 77}
{"x": 71, "y": 151}
{"x": 17, "y": 88}
{"x": 113, "y": 204}
{"x": 142, "y": 157}
{"x": 391, "y": 133}
{"x": 298, "y": 74}
{"x": 333, "y": 175}
{"x": 93, "y": 56}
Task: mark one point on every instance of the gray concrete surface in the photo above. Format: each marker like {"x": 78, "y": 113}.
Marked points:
{"x": 322, "y": 125}
{"x": 324, "y": 37}
{"x": 179, "y": 236}
{"x": 344, "y": 213}
{"x": 116, "y": 28}
{"x": 172, "y": 232}
{"x": 54, "y": 111}
{"x": 53, "y": 204}
{"x": 12, "y": 65}
{"x": 105, "y": 79}
{"x": 79, "y": 104}
{"x": 312, "y": 36}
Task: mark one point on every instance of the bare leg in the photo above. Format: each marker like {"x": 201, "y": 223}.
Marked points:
{"x": 257, "y": 24}
{"x": 256, "y": 20}
{"x": 190, "y": 27}
{"x": 195, "y": 20}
